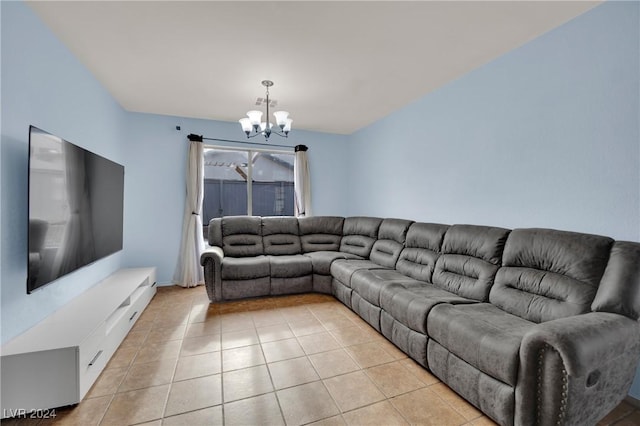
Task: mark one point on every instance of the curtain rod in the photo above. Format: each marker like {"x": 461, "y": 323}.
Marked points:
{"x": 199, "y": 138}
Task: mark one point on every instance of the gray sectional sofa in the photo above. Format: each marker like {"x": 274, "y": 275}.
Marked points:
{"x": 532, "y": 326}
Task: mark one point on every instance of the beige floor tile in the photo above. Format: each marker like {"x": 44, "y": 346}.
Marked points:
{"x": 175, "y": 332}
{"x": 333, "y": 363}
{"x": 389, "y": 347}
{"x": 369, "y": 354}
{"x": 326, "y": 311}
{"x": 297, "y": 312}
{"x": 200, "y": 345}
{"x": 108, "y": 382}
{"x": 303, "y": 401}
{"x": 467, "y": 410}
{"x": 282, "y": 349}
{"x": 148, "y": 374}
{"x": 136, "y": 406}
{"x": 394, "y": 379}
{"x": 238, "y": 358}
{"x": 202, "y": 312}
{"x": 141, "y": 325}
{"x": 420, "y": 372}
{"x": 274, "y": 332}
{"x": 194, "y": 394}
{"x": 265, "y": 318}
{"x": 351, "y": 336}
{"x": 237, "y": 339}
{"x": 353, "y": 390}
{"x": 211, "y": 416}
{"x": 306, "y": 327}
{"x": 194, "y": 366}
{"x": 423, "y": 406}
{"x": 381, "y": 413}
{"x": 337, "y": 321}
{"x": 292, "y": 372}
{"x": 320, "y": 342}
{"x": 330, "y": 421}
{"x": 258, "y": 410}
{"x": 203, "y": 328}
{"x": 135, "y": 338}
{"x": 89, "y": 412}
{"x": 252, "y": 381}
{"x": 302, "y": 318}
{"x": 123, "y": 357}
{"x": 169, "y": 319}
{"x": 236, "y": 322}
{"x": 156, "y": 351}
{"x": 482, "y": 421}
{"x": 152, "y": 423}
{"x": 306, "y": 403}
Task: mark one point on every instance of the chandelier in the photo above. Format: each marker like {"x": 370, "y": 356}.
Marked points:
{"x": 252, "y": 124}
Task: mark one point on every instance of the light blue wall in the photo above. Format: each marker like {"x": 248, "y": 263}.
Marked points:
{"x": 156, "y": 191}
{"x": 44, "y": 84}
{"x": 546, "y": 135}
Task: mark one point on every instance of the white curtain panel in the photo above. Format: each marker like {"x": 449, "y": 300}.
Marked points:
{"x": 302, "y": 182}
{"x": 189, "y": 272}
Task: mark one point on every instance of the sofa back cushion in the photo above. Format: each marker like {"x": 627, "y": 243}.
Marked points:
{"x": 421, "y": 250}
{"x": 241, "y": 236}
{"x": 214, "y": 232}
{"x": 318, "y": 233}
{"x": 391, "y": 237}
{"x": 280, "y": 235}
{"x": 359, "y": 234}
{"x": 548, "y": 274}
{"x": 469, "y": 259}
{"x": 619, "y": 290}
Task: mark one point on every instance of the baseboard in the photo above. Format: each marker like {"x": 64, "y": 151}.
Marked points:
{"x": 633, "y": 401}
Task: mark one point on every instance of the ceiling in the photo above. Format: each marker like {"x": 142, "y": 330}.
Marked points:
{"x": 337, "y": 66}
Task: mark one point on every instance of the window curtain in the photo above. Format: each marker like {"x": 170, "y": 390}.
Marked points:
{"x": 189, "y": 272}
{"x": 302, "y": 182}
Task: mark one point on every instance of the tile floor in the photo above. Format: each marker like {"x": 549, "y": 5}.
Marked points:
{"x": 290, "y": 360}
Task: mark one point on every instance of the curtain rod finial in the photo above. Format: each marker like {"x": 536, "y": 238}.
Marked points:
{"x": 194, "y": 138}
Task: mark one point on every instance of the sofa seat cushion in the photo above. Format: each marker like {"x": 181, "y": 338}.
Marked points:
{"x": 342, "y": 270}
{"x": 482, "y": 335}
{"x": 290, "y": 266}
{"x": 369, "y": 282}
{"x": 321, "y": 260}
{"x": 245, "y": 268}
{"x": 410, "y": 302}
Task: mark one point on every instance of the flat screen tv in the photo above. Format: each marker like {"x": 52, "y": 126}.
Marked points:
{"x": 75, "y": 208}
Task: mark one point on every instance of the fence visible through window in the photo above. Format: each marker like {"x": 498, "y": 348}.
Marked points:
{"x": 241, "y": 182}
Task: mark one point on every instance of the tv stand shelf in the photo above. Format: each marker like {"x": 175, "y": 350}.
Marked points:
{"x": 56, "y": 362}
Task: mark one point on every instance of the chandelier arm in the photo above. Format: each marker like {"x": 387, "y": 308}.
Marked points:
{"x": 279, "y": 134}
{"x": 253, "y": 135}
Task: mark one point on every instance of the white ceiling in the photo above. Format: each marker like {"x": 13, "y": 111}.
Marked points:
{"x": 337, "y": 66}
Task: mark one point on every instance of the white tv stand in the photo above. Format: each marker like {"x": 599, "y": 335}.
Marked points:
{"x": 56, "y": 362}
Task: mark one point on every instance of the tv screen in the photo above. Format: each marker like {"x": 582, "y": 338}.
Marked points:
{"x": 75, "y": 208}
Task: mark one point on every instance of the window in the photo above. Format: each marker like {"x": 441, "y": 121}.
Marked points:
{"x": 247, "y": 182}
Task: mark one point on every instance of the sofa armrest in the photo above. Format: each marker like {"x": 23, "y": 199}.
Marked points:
{"x": 211, "y": 260}
{"x": 575, "y": 370}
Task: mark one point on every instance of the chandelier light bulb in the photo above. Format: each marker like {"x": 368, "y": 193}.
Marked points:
{"x": 246, "y": 125}
{"x": 254, "y": 117}
{"x": 281, "y": 118}
{"x": 287, "y": 126}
